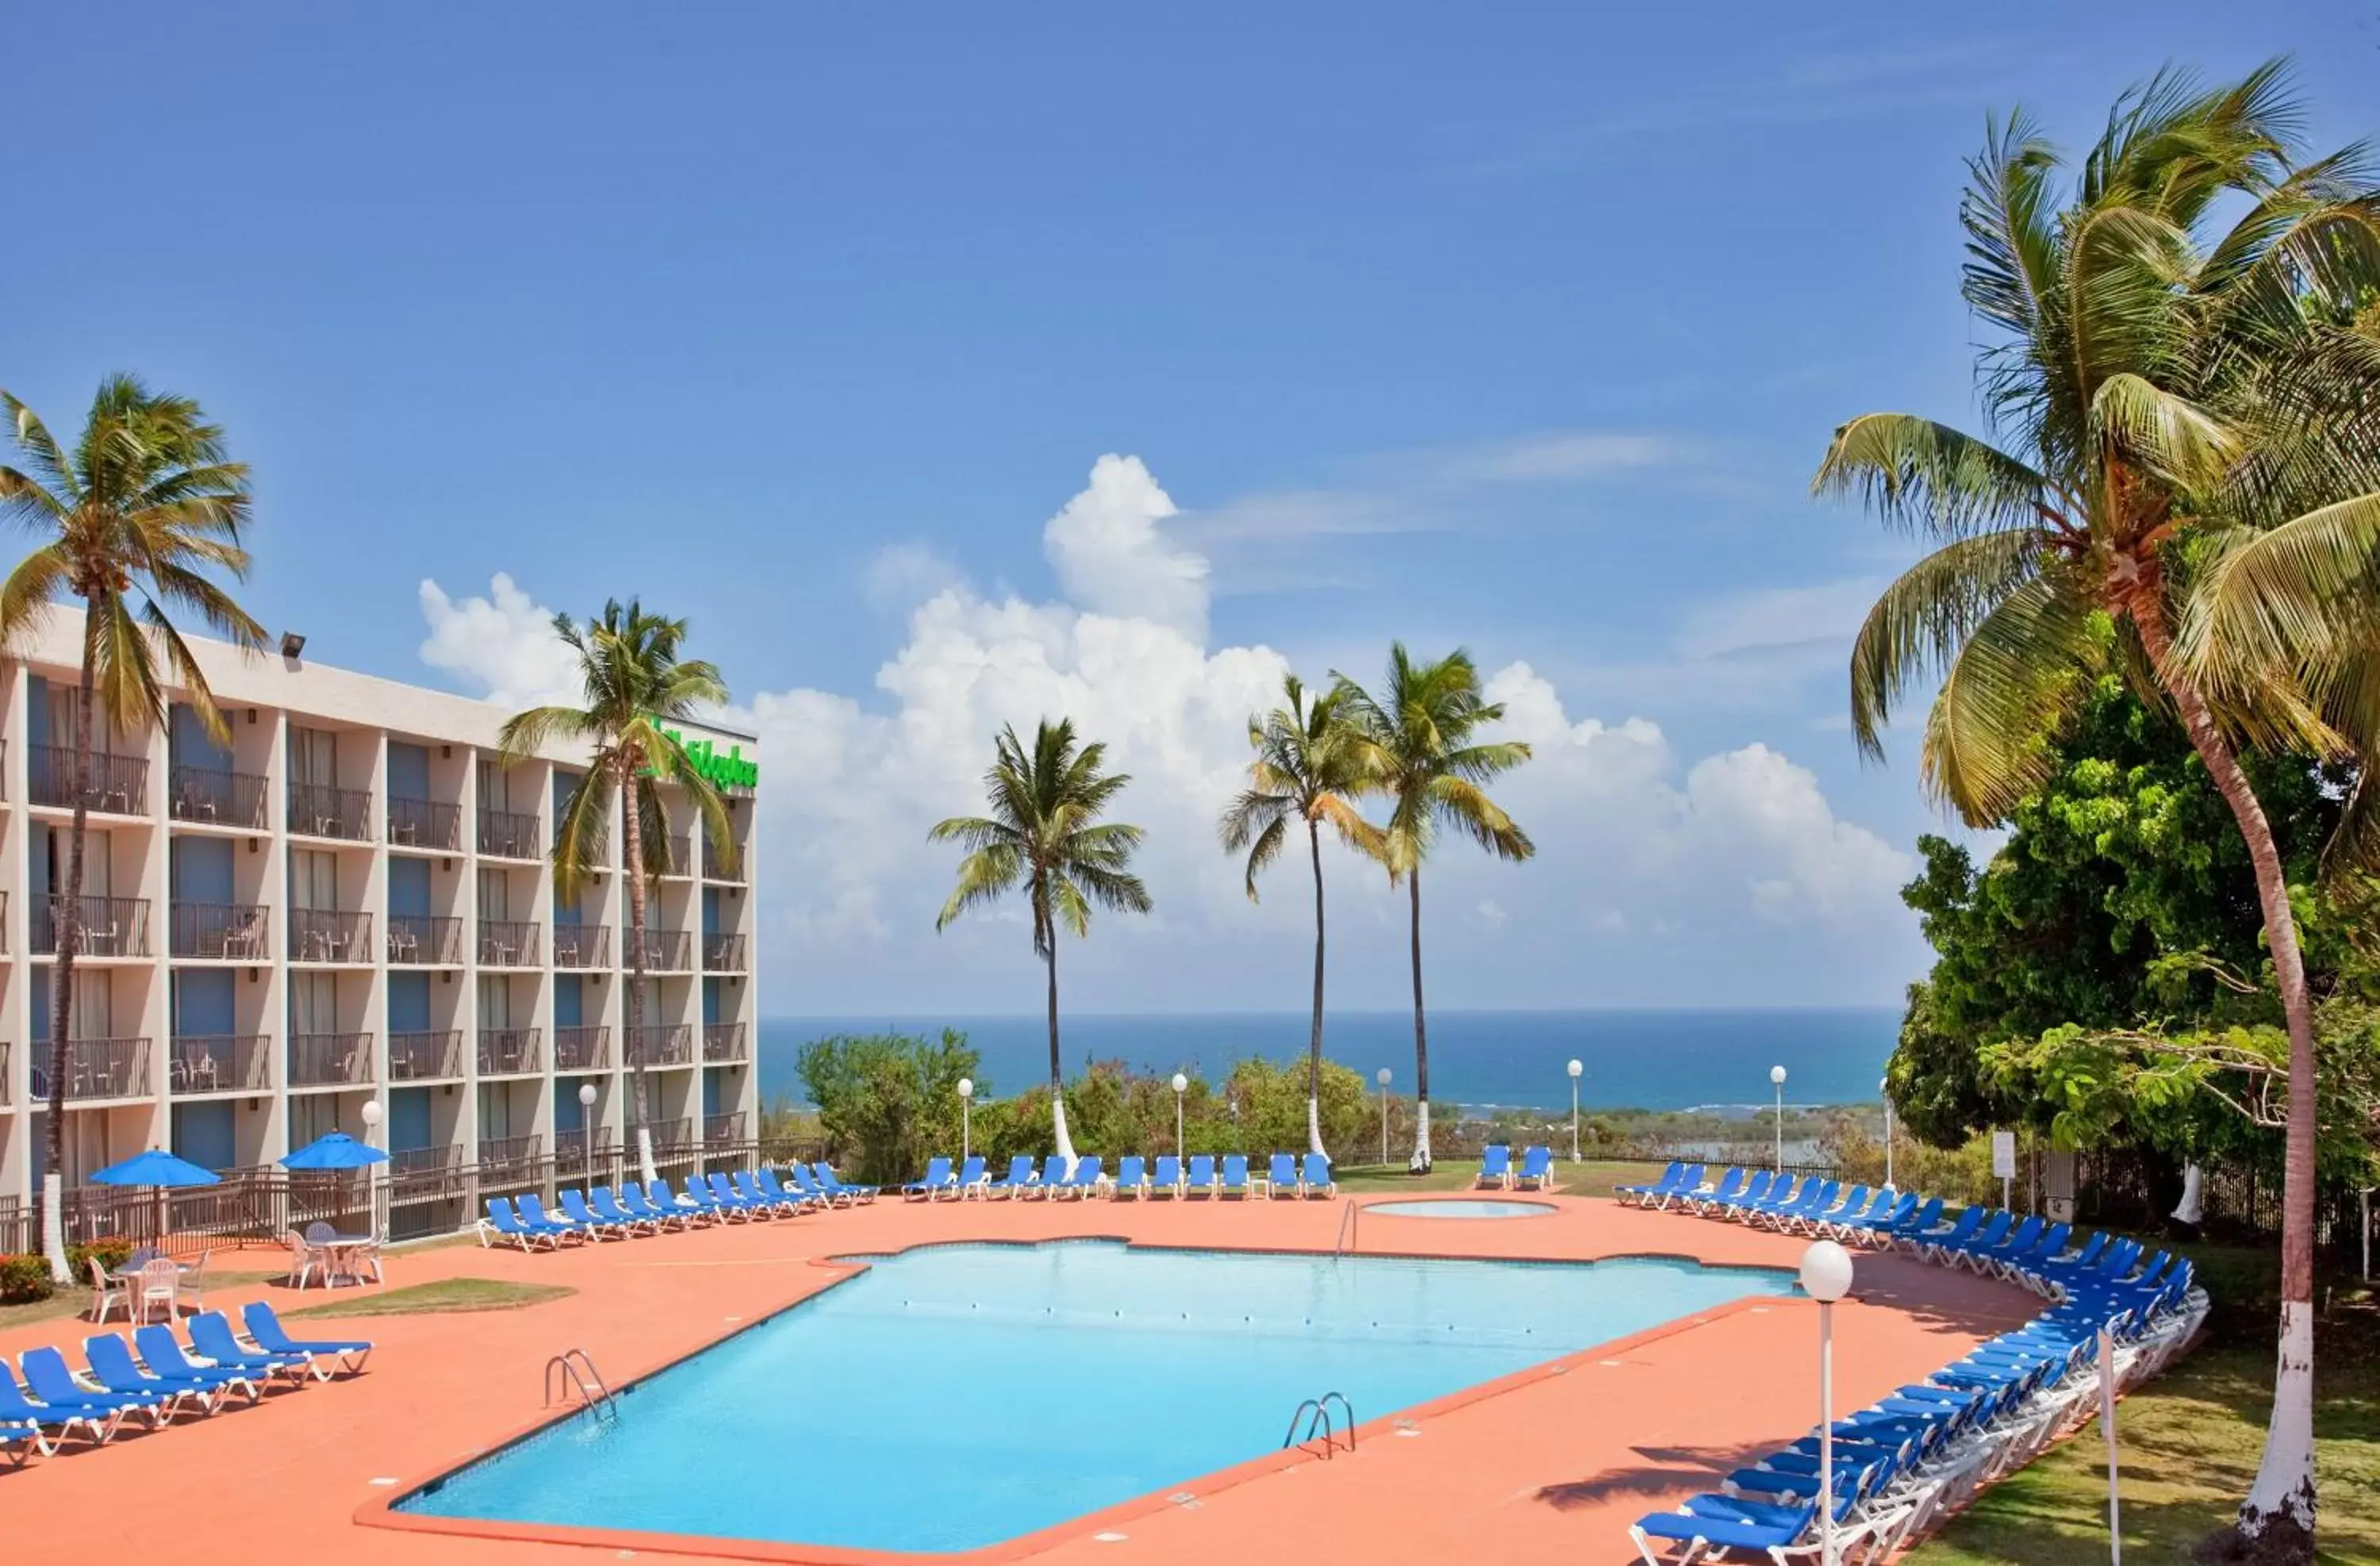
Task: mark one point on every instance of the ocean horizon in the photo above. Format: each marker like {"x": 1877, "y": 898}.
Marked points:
{"x": 1715, "y": 1058}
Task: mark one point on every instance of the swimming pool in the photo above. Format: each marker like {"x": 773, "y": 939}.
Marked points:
{"x": 956, "y": 1396}
{"x": 1461, "y": 1206}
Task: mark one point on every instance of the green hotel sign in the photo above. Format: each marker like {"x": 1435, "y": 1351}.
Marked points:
{"x": 731, "y": 770}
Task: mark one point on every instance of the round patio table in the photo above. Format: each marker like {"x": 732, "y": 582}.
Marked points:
{"x": 343, "y": 1250}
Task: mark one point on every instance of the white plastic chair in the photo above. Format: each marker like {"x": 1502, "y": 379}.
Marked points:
{"x": 160, "y": 1284}
{"x": 106, "y": 1292}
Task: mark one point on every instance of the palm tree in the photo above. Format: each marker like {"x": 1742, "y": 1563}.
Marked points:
{"x": 1044, "y": 834}
{"x": 1433, "y": 772}
{"x": 1309, "y": 764}
{"x": 132, "y": 521}
{"x": 2156, "y": 395}
{"x": 635, "y": 686}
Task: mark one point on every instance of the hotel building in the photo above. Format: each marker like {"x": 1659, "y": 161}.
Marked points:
{"x": 350, "y": 904}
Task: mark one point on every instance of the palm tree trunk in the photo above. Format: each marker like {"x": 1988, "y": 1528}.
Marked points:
{"x": 1065, "y": 1147}
{"x": 66, "y": 916}
{"x": 633, "y": 867}
{"x": 2278, "y": 1514}
{"x": 1421, "y": 1161}
{"x": 1314, "y": 1047}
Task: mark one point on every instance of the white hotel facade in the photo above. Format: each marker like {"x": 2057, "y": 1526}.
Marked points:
{"x": 351, "y": 904}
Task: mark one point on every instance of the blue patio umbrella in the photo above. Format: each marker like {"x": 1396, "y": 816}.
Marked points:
{"x": 159, "y": 1169}
{"x": 338, "y": 1150}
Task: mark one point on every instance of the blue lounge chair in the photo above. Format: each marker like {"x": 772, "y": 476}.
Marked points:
{"x": 212, "y": 1340}
{"x": 1730, "y": 1186}
{"x": 110, "y": 1359}
{"x": 972, "y": 1179}
{"x": 1690, "y": 1183}
{"x": 1496, "y": 1168}
{"x": 574, "y": 1208}
{"x": 607, "y": 1207}
{"x": 1131, "y": 1177}
{"x": 1931, "y": 1243}
{"x": 938, "y": 1179}
{"x": 797, "y": 1200}
{"x": 1085, "y": 1181}
{"x": 1755, "y": 1190}
{"x": 1200, "y": 1180}
{"x": 503, "y": 1227}
{"x": 1642, "y": 1192}
{"x": 1018, "y": 1179}
{"x": 809, "y": 1188}
{"x": 19, "y": 1442}
{"x": 1703, "y": 1527}
{"x": 1844, "y": 1204}
{"x": 1281, "y": 1177}
{"x": 264, "y": 1329}
{"x": 47, "y": 1377}
{"x": 735, "y": 1201}
{"x": 97, "y": 1422}
{"x": 748, "y": 1186}
{"x": 668, "y": 1204}
{"x": 1536, "y": 1171}
{"x": 1314, "y": 1178}
{"x": 1235, "y": 1175}
{"x": 161, "y": 1356}
{"x": 1995, "y": 1230}
{"x": 534, "y": 1216}
{"x": 695, "y": 1194}
{"x": 1054, "y": 1171}
{"x": 1168, "y": 1178}
{"x": 823, "y": 1172}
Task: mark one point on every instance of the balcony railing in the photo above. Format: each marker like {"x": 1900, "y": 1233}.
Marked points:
{"x": 508, "y": 1051}
{"x": 225, "y": 931}
{"x": 665, "y": 951}
{"x": 659, "y": 1044}
{"x": 718, "y": 1129}
{"x": 723, "y": 1041}
{"x": 112, "y": 927}
{"x": 712, "y": 870}
{"x": 5, "y": 1077}
{"x": 678, "y": 848}
{"x": 424, "y": 940}
{"x": 96, "y": 1068}
{"x": 119, "y": 784}
{"x": 586, "y": 1046}
{"x": 499, "y": 1155}
{"x": 422, "y": 1175}
{"x": 217, "y": 797}
{"x": 674, "y": 1136}
{"x": 431, "y": 1056}
{"x": 320, "y": 810}
{"x": 425, "y": 823}
{"x": 574, "y": 1150}
{"x": 507, "y": 943}
{"x": 329, "y": 1060}
{"x": 508, "y": 834}
{"x": 582, "y": 946}
{"x": 217, "y": 1062}
{"x": 329, "y": 935}
{"x": 722, "y": 954}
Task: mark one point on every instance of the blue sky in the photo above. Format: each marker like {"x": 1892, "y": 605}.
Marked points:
{"x": 1521, "y": 330}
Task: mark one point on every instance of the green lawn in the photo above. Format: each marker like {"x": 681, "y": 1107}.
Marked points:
{"x": 1590, "y": 1178}
{"x": 448, "y": 1295}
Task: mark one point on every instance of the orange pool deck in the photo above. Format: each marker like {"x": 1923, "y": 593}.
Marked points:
{"x": 1550, "y": 1464}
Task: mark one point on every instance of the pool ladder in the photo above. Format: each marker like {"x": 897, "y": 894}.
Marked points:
{"x": 573, "y": 1367}
{"x": 1350, "y": 1228}
{"x": 1313, "y": 1417}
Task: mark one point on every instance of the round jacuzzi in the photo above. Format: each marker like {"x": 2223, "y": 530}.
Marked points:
{"x": 1459, "y": 1206}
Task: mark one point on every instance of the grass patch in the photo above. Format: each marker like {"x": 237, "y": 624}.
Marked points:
{"x": 447, "y": 1296}
{"x": 2191, "y": 1440}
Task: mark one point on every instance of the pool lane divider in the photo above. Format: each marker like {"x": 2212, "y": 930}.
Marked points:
{"x": 381, "y": 1511}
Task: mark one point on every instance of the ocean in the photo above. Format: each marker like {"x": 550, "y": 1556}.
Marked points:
{"x": 1637, "y": 1060}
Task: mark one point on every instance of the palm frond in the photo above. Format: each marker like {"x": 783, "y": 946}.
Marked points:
{"x": 1931, "y": 480}
{"x": 2017, "y": 675}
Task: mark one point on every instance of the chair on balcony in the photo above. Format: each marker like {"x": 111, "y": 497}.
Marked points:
{"x": 402, "y": 946}
{"x": 197, "y": 802}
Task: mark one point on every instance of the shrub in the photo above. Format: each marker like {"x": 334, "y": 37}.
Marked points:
{"x": 112, "y": 1253}
{"x": 24, "y": 1280}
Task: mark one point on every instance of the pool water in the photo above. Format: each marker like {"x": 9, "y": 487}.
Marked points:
{"x": 1461, "y": 1206}
{"x": 954, "y": 1396}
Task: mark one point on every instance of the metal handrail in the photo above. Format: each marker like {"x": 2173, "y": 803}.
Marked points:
{"x": 1315, "y": 1414}
{"x": 562, "y": 1374}
{"x": 1349, "y": 1231}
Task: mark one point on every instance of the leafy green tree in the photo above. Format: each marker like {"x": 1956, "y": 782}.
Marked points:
{"x": 634, "y": 688}
{"x": 1045, "y": 837}
{"x": 135, "y": 521}
{"x": 2157, "y": 391}
{"x": 1309, "y": 764}
{"x": 1422, "y": 727}
{"x": 890, "y": 1100}
{"x": 2119, "y": 893}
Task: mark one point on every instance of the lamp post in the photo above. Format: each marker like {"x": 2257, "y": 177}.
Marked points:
{"x": 1884, "y": 1089}
{"x": 1383, "y": 1080}
{"x": 371, "y": 1201}
{"x": 967, "y": 1119}
{"x": 1181, "y": 1085}
{"x": 587, "y": 1128}
{"x": 1577, "y": 1068}
{"x": 1776, "y": 1076}
{"x": 1826, "y": 1278}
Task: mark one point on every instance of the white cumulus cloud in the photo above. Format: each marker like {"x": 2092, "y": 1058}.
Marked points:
{"x": 503, "y": 643}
